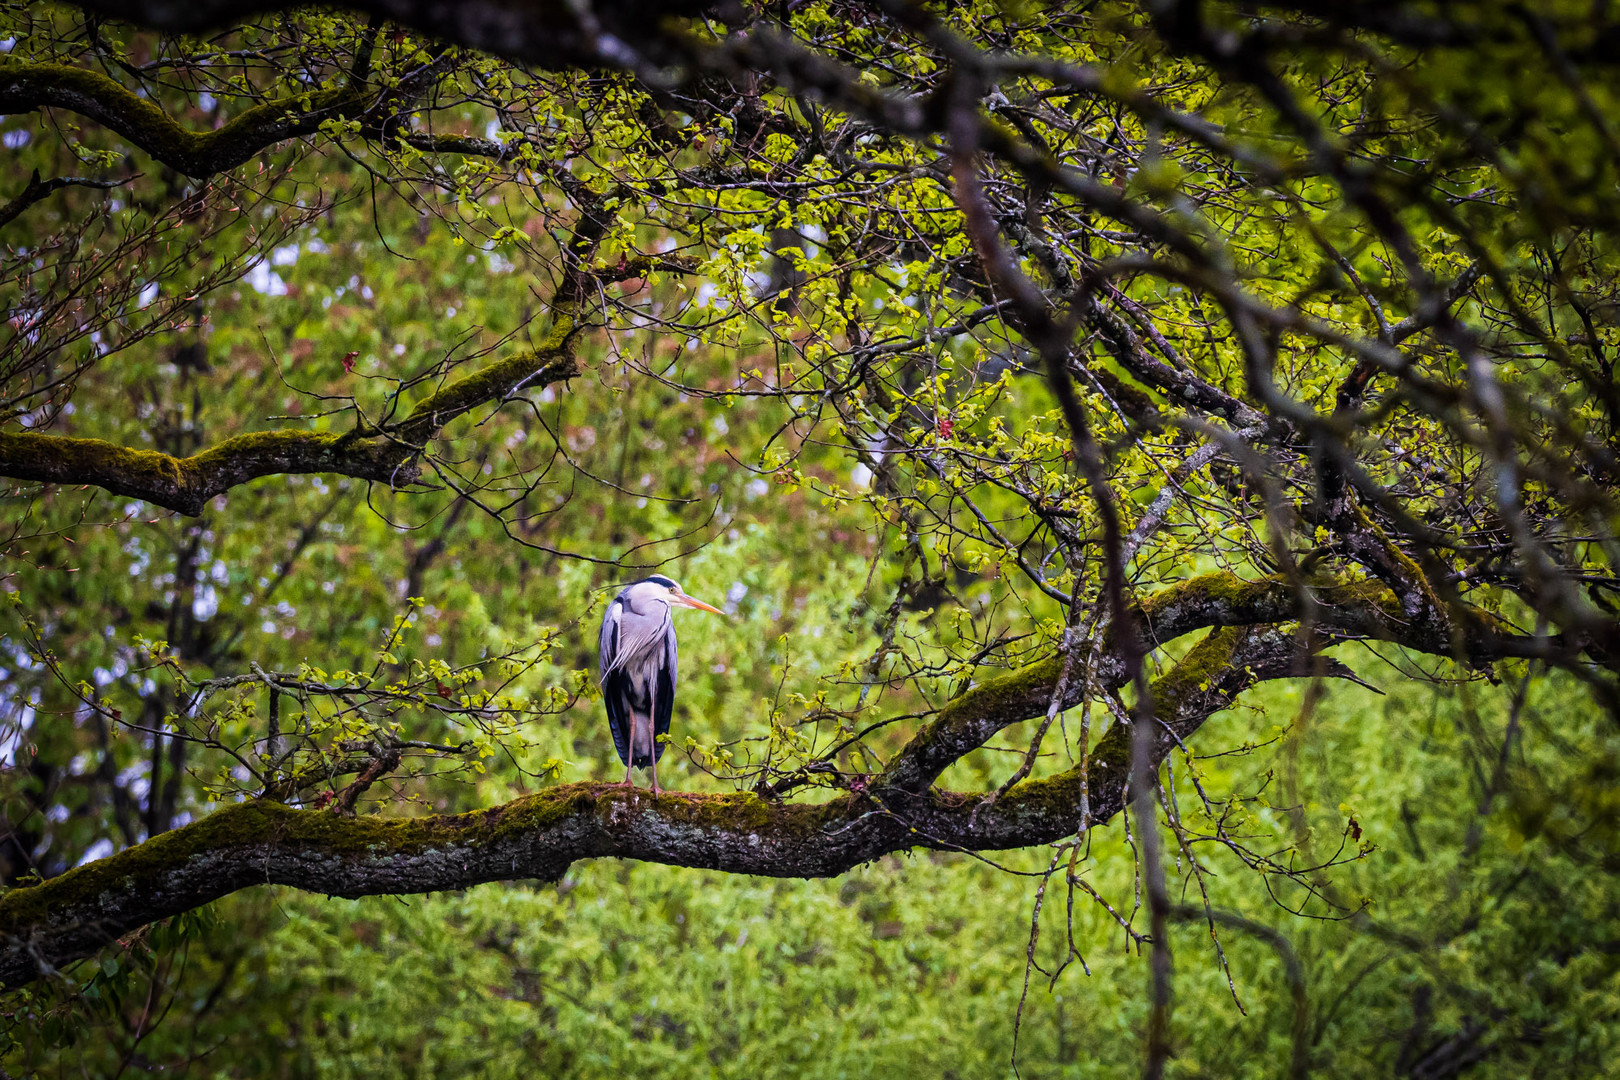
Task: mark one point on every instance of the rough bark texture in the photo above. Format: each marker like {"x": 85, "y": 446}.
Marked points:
{"x": 539, "y": 836}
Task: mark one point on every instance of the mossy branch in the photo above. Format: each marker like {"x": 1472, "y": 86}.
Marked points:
{"x": 1345, "y": 608}
{"x": 540, "y": 835}
{"x": 387, "y": 454}
{"x": 27, "y": 86}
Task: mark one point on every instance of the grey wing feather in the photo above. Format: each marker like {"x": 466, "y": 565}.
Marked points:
{"x": 671, "y": 659}
{"x": 664, "y": 702}
{"x": 614, "y": 684}
{"x": 607, "y": 644}
{"x": 638, "y": 632}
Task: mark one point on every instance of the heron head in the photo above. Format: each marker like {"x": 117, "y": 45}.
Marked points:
{"x": 676, "y": 596}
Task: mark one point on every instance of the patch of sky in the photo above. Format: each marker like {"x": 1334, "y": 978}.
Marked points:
{"x": 98, "y": 850}
{"x": 265, "y": 281}
{"x": 205, "y": 603}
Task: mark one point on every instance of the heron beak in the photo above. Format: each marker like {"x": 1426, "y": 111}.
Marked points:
{"x": 700, "y": 605}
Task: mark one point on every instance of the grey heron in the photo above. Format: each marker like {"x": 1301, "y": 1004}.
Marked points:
{"x": 638, "y": 668}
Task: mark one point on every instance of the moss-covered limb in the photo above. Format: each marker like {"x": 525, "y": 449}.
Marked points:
{"x": 538, "y": 836}
{"x": 184, "y": 484}
{"x": 1349, "y": 607}
{"x": 1224, "y": 663}
{"x": 1206, "y": 681}
{"x": 26, "y": 86}
{"x": 383, "y": 455}
{"x": 551, "y": 361}
{"x": 968, "y": 720}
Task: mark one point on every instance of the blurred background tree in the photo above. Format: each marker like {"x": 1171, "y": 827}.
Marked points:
{"x": 1218, "y": 395}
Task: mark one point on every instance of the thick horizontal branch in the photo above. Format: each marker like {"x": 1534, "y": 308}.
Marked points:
{"x": 540, "y": 835}
{"x": 384, "y": 454}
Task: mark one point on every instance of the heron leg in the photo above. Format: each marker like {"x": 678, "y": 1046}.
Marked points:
{"x": 652, "y": 739}
{"x": 629, "y": 781}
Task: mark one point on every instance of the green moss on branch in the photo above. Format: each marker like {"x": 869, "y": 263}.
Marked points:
{"x": 25, "y": 86}
{"x": 382, "y": 455}
{"x": 540, "y": 835}
{"x": 537, "y": 836}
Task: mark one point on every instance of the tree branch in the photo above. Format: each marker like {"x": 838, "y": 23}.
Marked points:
{"x": 26, "y": 86}
{"x": 537, "y": 836}
{"x": 385, "y": 454}
{"x": 1346, "y": 608}
{"x": 540, "y": 835}
{"x": 37, "y": 190}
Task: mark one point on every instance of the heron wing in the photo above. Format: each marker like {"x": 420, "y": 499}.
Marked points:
{"x": 639, "y": 631}
{"x": 615, "y": 684}
{"x": 607, "y": 644}
{"x": 645, "y": 635}
{"x": 664, "y": 699}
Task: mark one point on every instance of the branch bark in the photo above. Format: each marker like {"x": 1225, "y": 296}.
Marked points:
{"x": 538, "y": 836}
